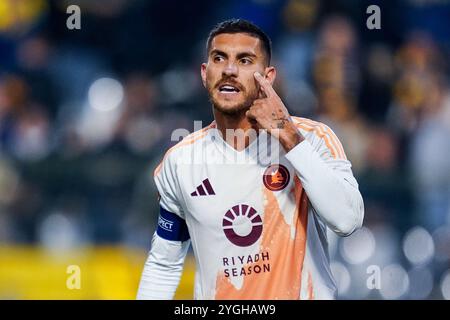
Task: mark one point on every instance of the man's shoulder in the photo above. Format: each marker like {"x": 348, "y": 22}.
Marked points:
{"x": 301, "y": 121}
{"x": 191, "y": 139}
{"x": 188, "y": 142}
{"x": 313, "y": 126}
{"x": 318, "y": 133}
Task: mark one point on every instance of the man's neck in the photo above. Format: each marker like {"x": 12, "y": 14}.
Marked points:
{"x": 235, "y": 123}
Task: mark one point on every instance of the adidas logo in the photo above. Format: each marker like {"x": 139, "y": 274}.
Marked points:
{"x": 205, "y": 189}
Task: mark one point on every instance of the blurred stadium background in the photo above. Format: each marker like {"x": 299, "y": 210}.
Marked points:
{"x": 85, "y": 116}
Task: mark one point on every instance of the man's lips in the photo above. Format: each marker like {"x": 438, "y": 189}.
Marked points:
{"x": 229, "y": 88}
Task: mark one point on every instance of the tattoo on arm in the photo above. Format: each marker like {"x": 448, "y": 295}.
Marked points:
{"x": 281, "y": 123}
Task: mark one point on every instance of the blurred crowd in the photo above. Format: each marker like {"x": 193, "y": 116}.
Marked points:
{"x": 86, "y": 115}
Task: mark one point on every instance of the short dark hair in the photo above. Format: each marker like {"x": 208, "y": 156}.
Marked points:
{"x": 241, "y": 26}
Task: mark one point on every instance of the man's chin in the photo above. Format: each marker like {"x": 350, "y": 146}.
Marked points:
{"x": 233, "y": 109}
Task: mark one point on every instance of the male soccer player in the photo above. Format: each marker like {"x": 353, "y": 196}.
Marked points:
{"x": 257, "y": 228}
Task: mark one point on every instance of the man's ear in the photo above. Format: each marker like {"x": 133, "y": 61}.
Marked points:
{"x": 270, "y": 73}
{"x": 203, "y": 73}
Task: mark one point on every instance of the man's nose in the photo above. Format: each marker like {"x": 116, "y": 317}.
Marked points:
{"x": 231, "y": 69}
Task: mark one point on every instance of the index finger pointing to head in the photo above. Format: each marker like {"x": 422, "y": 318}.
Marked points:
{"x": 264, "y": 83}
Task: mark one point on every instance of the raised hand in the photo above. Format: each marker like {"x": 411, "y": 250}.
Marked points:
{"x": 270, "y": 113}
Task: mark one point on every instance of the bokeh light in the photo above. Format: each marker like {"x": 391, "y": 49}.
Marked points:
{"x": 394, "y": 282}
{"x": 105, "y": 94}
{"x": 359, "y": 247}
{"x": 418, "y": 246}
{"x": 441, "y": 237}
{"x": 445, "y": 285}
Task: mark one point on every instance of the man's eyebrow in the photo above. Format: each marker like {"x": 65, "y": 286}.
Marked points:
{"x": 246, "y": 54}
{"x": 239, "y": 55}
{"x": 216, "y": 51}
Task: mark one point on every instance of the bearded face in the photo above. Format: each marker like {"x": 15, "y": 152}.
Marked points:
{"x": 229, "y": 73}
{"x": 229, "y": 96}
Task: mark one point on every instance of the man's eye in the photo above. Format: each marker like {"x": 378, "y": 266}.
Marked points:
{"x": 218, "y": 59}
{"x": 246, "y": 61}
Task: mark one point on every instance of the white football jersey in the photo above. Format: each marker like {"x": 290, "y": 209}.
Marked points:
{"x": 257, "y": 218}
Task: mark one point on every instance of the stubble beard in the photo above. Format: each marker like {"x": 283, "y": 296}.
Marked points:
{"x": 234, "y": 111}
